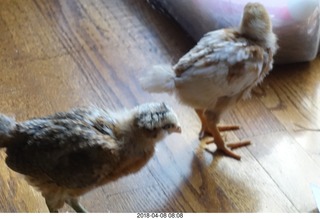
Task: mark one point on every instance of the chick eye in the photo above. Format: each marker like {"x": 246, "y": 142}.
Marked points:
{"x": 168, "y": 126}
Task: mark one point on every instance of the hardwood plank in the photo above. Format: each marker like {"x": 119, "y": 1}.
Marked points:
{"x": 309, "y": 141}
{"x": 255, "y": 119}
{"x": 289, "y": 166}
{"x": 291, "y": 93}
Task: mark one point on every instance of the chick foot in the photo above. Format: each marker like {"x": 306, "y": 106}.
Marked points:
{"x": 225, "y": 148}
{"x": 234, "y": 145}
{"x": 214, "y": 131}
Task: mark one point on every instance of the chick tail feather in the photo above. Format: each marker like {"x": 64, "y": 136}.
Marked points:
{"x": 160, "y": 79}
{"x": 7, "y": 124}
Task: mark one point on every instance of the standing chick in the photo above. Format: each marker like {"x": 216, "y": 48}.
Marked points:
{"x": 220, "y": 70}
{"x": 70, "y": 153}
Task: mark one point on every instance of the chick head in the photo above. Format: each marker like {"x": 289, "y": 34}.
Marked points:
{"x": 158, "y": 119}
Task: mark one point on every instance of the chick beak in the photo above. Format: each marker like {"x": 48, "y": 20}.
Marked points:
{"x": 177, "y": 129}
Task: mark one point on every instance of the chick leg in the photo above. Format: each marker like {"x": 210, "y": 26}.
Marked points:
{"x": 220, "y": 143}
{"x": 75, "y": 204}
{"x": 204, "y": 127}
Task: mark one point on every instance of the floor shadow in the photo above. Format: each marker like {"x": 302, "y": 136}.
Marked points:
{"x": 209, "y": 187}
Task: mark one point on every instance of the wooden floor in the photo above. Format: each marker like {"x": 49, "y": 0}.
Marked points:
{"x": 55, "y": 55}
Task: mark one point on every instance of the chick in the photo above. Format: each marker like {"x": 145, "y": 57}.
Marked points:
{"x": 70, "y": 153}
{"x": 219, "y": 71}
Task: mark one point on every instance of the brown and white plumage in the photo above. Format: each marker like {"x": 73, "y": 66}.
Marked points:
{"x": 221, "y": 69}
{"x": 70, "y": 153}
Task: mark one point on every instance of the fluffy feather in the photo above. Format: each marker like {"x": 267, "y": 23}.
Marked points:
{"x": 159, "y": 79}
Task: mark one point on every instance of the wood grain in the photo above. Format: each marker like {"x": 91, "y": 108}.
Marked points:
{"x": 57, "y": 54}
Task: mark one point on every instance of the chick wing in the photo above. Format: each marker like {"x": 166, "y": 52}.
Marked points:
{"x": 223, "y": 63}
{"x": 62, "y": 149}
